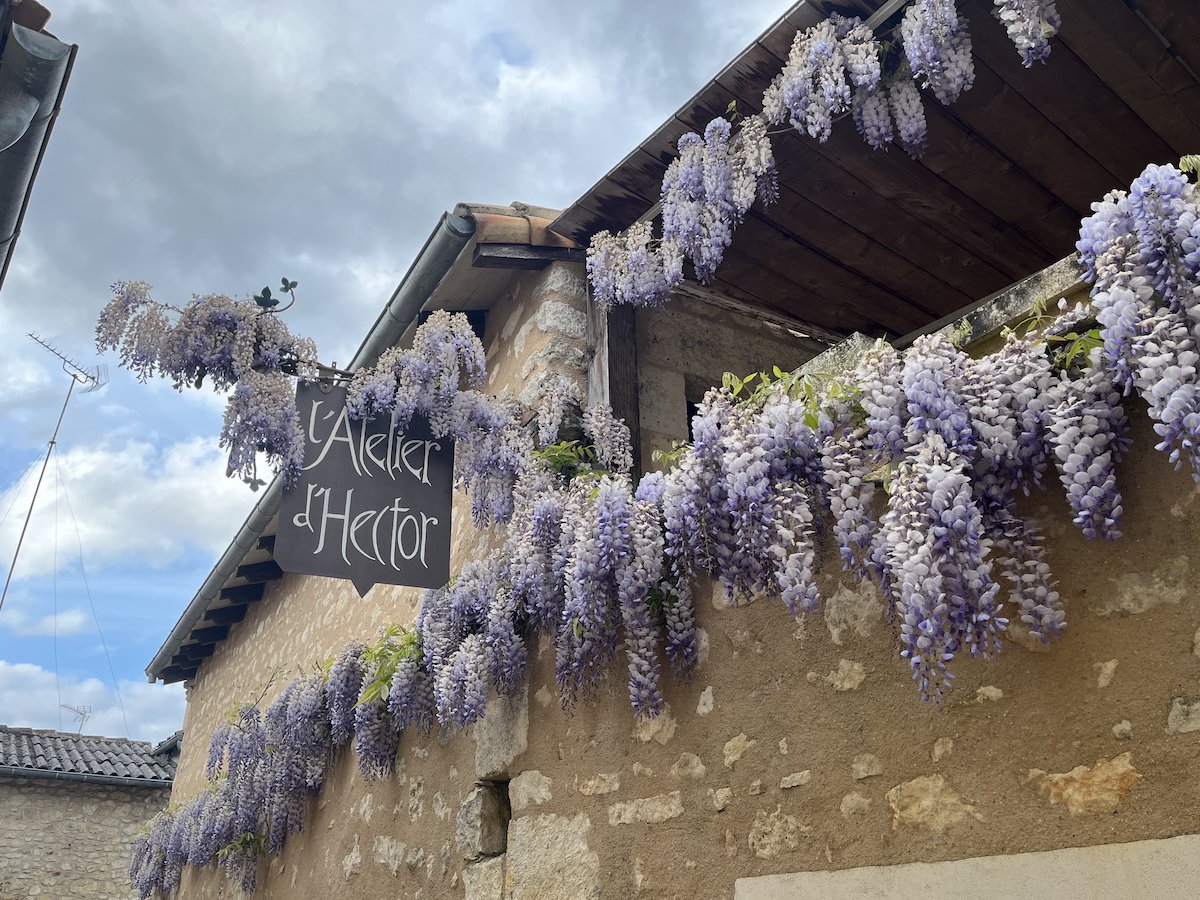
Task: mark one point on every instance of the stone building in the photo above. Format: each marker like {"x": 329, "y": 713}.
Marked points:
{"x": 69, "y": 806}
{"x": 798, "y": 761}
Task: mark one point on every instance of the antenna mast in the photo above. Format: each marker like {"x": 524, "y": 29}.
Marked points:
{"x": 82, "y": 713}
{"x": 92, "y": 380}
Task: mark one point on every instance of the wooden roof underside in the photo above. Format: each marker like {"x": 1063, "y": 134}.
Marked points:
{"x": 879, "y": 243}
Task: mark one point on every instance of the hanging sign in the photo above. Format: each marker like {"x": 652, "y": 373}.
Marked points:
{"x": 373, "y": 502}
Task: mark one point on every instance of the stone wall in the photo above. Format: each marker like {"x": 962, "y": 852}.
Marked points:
{"x": 800, "y": 744}
{"x": 685, "y": 348}
{"x": 64, "y": 839}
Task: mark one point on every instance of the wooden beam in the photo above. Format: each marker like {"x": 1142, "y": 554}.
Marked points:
{"x": 522, "y": 256}
{"x": 267, "y": 542}
{"x": 813, "y": 337}
{"x": 172, "y": 674}
{"x": 209, "y": 635}
{"x": 226, "y": 615}
{"x": 262, "y": 571}
{"x": 197, "y": 651}
{"x": 613, "y": 372}
{"x": 243, "y": 593}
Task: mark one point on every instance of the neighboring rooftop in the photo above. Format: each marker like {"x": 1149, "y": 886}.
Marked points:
{"x": 43, "y": 753}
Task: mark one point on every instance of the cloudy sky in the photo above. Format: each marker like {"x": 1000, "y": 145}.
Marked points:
{"x": 211, "y": 147}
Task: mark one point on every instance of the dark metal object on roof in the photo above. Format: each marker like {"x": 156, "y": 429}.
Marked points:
{"x": 34, "y": 72}
{"x": 42, "y": 753}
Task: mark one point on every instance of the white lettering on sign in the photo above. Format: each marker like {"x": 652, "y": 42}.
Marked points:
{"x": 401, "y": 456}
{"x": 404, "y": 532}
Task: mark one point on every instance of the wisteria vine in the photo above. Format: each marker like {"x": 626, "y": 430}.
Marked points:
{"x": 834, "y": 67}
{"x": 604, "y": 566}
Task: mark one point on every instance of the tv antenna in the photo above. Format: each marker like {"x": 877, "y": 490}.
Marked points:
{"x": 92, "y": 380}
{"x": 82, "y": 713}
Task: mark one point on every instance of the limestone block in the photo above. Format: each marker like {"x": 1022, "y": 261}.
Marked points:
{"x": 352, "y": 861}
{"x": 528, "y": 788}
{"x": 705, "y": 704}
{"x": 854, "y": 804}
{"x": 848, "y": 676}
{"x": 482, "y": 822}
{"x": 852, "y": 609}
{"x": 646, "y": 810}
{"x": 866, "y": 765}
{"x": 501, "y": 735}
{"x": 1137, "y": 592}
{"x": 1085, "y": 791}
{"x": 689, "y": 765}
{"x": 548, "y": 859}
{"x": 484, "y": 880}
{"x": 735, "y": 749}
{"x": 604, "y": 783}
{"x": 927, "y": 802}
{"x": 659, "y": 729}
{"x": 721, "y": 797}
{"x": 774, "y": 834}
{"x": 1184, "y": 717}
{"x": 389, "y": 852}
{"x": 1105, "y": 672}
{"x": 796, "y": 779}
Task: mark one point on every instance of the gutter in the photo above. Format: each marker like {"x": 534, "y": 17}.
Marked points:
{"x": 32, "y": 63}
{"x": 441, "y": 249}
{"x": 113, "y": 780}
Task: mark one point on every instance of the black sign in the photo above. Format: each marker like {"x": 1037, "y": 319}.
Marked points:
{"x": 373, "y": 503}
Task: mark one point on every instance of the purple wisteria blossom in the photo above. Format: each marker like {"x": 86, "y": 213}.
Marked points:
{"x": 640, "y": 573}
{"x": 235, "y": 346}
{"x": 908, "y": 111}
{"x": 625, "y": 269}
{"x": 588, "y": 631}
{"x": 937, "y": 44}
{"x": 815, "y": 84}
{"x": 1030, "y": 25}
{"x": 1087, "y": 438}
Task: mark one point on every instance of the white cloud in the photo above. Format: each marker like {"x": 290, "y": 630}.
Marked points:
{"x": 133, "y": 503}
{"x": 29, "y": 699}
{"x": 65, "y": 624}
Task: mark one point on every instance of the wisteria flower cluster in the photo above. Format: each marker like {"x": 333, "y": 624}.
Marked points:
{"x": 238, "y": 346}
{"x": 601, "y": 565}
{"x": 261, "y": 771}
{"x": 834, "y": 67}
{"x": 815, "y": 86}
{"x": 937, "y": 43}
{"x": 1030, "y": 25}
{"x": 1141, "y": 252}
{"x": 706, "y": 192}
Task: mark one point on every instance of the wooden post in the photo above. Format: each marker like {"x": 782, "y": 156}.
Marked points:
{"x": 613, "y": 372}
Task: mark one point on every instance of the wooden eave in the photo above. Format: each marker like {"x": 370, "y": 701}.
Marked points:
{"x": 862, "y": 240}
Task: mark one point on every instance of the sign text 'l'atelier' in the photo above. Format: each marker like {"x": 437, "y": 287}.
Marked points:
{"x": 373, "y": 502}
